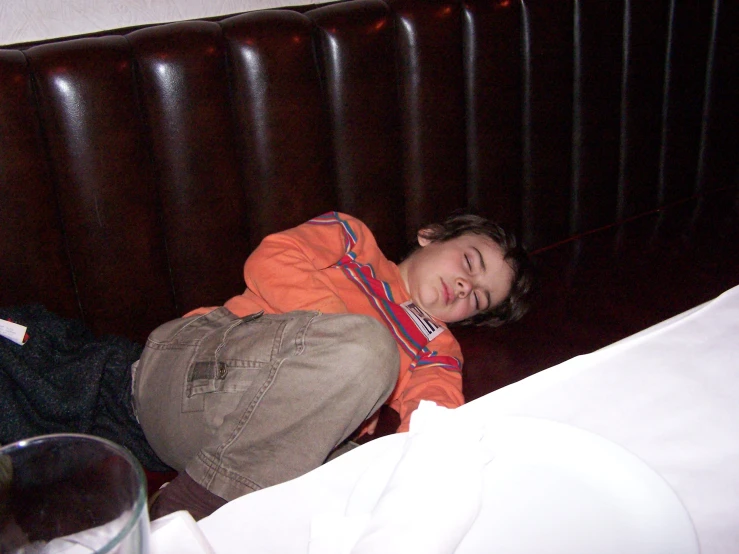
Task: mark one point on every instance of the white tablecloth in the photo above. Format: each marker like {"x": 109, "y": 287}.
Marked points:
{"x": 669, "y": 396}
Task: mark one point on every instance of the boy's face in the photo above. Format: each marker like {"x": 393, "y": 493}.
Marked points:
{"x": 458, "y": 278}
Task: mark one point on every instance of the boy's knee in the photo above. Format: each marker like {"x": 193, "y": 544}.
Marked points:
{"x": 369, "y": 349}
{"x": 375, "y": 344}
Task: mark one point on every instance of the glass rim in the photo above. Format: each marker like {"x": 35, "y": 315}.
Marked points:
{"x": 141, "y": 499}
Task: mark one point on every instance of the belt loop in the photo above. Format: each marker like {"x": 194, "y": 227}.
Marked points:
{"x": 252, "y": 317}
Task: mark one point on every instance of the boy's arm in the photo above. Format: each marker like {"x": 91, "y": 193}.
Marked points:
{"x": 436, "y": 378}
{"x": 284, "y": 270}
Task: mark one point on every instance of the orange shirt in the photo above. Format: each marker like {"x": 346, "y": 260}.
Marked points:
{"x": 332, "y": 264}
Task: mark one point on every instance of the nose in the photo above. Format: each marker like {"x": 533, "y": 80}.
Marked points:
{"x": 463, "y": 287}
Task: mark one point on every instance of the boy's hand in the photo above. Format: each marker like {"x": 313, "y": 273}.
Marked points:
{"x": 369, "y": 426}
{"x": 372, "y": 423}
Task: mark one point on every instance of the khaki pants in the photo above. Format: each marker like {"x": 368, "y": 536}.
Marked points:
{"x": 246, "y": 403}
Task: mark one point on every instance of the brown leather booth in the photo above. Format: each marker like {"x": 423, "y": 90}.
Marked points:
{"x": 138, "y": 168}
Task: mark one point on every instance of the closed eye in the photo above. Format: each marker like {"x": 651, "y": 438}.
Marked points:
{"x": 477, "y": 302}
{"x": 482, "y": 260}
{"x": 469, "y": 263}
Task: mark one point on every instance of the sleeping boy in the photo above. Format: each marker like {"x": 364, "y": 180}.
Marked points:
{"x": 261, "y": 390}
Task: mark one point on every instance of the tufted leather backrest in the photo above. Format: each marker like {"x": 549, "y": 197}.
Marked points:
{"x": 139, "y": 169}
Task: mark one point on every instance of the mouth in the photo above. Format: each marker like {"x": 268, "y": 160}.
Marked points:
{"x": 447, "y": 294}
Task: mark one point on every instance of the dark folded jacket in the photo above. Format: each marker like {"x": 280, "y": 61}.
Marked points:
{"x": 66, "y": 380}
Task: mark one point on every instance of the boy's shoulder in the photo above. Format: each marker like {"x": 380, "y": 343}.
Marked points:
{"x": 348, "y": 221}
{"x": 353, "y": 229}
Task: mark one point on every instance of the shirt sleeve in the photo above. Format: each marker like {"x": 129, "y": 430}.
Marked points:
{"x": 436, "y": 375}
{"x": 285, "y": 269}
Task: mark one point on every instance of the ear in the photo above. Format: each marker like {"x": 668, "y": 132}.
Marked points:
{"x": 422, "y": 241}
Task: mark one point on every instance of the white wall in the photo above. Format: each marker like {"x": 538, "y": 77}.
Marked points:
{"x": 32, "y": 20}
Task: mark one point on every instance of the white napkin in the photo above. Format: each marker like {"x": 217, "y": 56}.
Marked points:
{"x": 430, "y": 500}
{"x": 335, "y": 533}
{"x": 178, "y": 533}
{"x": 88, "y": 541}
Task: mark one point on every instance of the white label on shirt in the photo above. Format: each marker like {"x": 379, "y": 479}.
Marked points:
{"x": 425, "y": 324}
{"x": 13, "y": 331}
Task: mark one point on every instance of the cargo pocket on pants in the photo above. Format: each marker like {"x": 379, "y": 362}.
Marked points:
{"x": 218, "y": 389}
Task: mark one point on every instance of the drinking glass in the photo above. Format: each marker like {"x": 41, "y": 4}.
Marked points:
{"x": 71, "y": 494}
